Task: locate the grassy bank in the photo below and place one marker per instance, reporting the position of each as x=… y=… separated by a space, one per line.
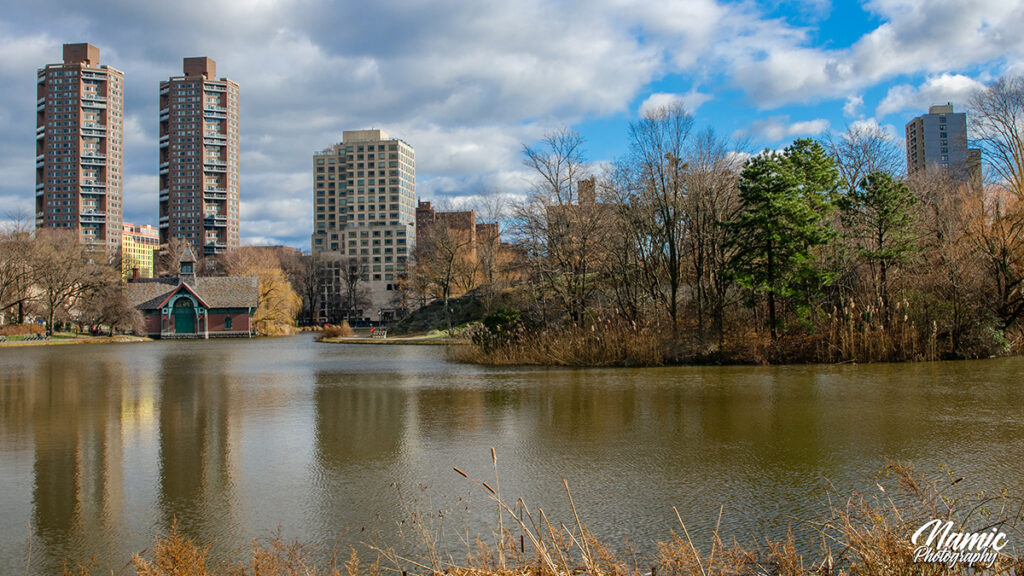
x=64 y=338
x=504 y=338
x=858 y=535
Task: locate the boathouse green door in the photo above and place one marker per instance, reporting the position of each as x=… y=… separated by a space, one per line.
x=184 y=317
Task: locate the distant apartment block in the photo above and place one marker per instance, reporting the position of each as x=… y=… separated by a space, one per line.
x=139 y=243
x=199 y=159
x=938 y=140
x=79 y=154
x=364 y=215
x=462 y=221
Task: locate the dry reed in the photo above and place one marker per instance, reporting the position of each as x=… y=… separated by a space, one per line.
x=860 y=535
x=342 y=330
x=601 y=342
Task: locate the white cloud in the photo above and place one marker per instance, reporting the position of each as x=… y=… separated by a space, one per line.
x=467 y=83
x=853 y=106
x=779 y=128
x=775 y=63
x=945 y=88
x=691 y=101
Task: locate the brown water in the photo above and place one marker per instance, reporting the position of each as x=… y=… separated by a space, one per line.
x=101 y=446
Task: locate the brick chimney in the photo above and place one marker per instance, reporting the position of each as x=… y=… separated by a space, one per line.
x=586 y=190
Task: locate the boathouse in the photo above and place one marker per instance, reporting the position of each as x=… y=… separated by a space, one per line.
x=191 y=307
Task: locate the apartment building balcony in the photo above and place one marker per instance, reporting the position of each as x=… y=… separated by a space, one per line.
x=94 y=187
x=165 y=195
x=165 y=167
x=165 y=89
x=165 y=221
x=215 y=166
x=93 y=217
x=165 y=114
x=41 y=78
x=95 y=132
x=92 y=75
x=211 y=87
x=215 y=221
x=41 y=101
x=40 y=161
x=94 y=104
x=214 y=194
x=93 y=160
x=164 y=140
x=214 y=248
x=40 y=107
x=215 y=113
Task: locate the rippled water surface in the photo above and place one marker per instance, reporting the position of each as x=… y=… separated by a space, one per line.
x=101 y=446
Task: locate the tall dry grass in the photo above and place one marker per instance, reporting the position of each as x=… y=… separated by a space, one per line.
x=600 y=342
x=872 y=333
x=342 y=330
x=859 y=535
x=853 y=332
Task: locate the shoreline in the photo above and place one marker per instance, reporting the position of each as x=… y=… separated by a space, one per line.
x=120 y=339
x=393 y=341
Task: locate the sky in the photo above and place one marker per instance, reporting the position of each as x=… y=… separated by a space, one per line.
x=468 y=82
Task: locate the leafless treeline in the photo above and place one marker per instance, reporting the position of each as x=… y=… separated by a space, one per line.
x=48 y=274
x=909 y=267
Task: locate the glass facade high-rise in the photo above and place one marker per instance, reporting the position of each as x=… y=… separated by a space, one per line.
x=364 y=215
x=199 y=159
x=79 y=147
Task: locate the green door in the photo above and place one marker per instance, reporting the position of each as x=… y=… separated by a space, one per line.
x=184 y=317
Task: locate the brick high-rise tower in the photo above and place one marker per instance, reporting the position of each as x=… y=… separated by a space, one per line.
x=79 y=154
x=199 y=159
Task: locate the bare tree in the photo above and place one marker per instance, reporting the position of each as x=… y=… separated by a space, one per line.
x=861 y=150
x=64 y=273
x=106 y=304
x=439 y=257
x=997 y=115
x=713 y=198
x=17 y=252
x=560 y=224
x=353 y=296
x=995 y=223
x=169 y=257
x=656 y=179
x=948 y=264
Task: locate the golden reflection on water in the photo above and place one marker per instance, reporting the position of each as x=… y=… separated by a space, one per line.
x=101 y=447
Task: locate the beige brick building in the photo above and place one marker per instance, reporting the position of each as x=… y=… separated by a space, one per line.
x=199 y=159
x=364 y=217
x=79 y=147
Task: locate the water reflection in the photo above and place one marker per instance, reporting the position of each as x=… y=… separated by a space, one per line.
x=102 y=447
x=196 y=472
x=78 y=493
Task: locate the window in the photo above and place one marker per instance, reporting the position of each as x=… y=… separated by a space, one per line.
x=227 y=323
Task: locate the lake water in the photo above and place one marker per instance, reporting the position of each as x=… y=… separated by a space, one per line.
x=102 y=446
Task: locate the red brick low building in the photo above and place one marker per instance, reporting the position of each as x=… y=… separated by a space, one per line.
x=191 y=307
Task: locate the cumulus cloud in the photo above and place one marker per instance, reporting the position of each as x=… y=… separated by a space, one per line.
x=779 y=128
x=853 y=106
x=466 y=83
x=944 y=88
x=775 y=61
x=691 y=101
